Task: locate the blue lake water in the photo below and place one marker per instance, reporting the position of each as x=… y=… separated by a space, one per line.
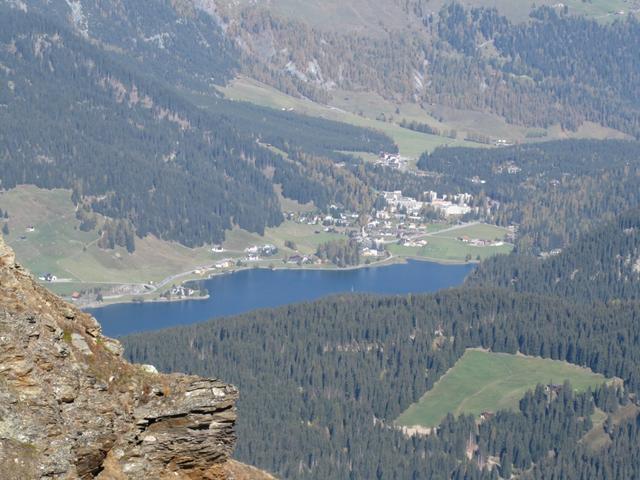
x=258 y=288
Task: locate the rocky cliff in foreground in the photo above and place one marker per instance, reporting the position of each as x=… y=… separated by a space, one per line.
x=71 y=407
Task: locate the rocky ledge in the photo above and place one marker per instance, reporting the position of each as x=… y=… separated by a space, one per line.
x=71 y=407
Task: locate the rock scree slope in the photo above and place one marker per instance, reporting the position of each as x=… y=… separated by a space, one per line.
x=71 y=407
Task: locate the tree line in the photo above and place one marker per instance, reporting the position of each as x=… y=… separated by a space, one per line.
x=339 y=371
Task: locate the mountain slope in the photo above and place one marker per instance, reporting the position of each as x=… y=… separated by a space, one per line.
x=129 y=148
x=547 y=71
x=179 y=41
x=134 y=149
x=550 y=70
x=392 y=14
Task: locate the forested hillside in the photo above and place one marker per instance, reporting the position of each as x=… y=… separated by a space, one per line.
x=553 y=69
x=554 y=191
x=172 y=40
x=603 y=265
x=322 y=382
x=72 y=117
x=133 y=149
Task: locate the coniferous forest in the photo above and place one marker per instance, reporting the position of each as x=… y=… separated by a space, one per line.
x=601 y=266
x=324 y=381
x=556 y=68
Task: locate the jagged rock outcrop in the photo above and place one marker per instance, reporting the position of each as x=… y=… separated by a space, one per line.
x=71 y=407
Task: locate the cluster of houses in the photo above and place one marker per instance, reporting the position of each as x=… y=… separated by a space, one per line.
x=303 y=218
x=451 y=206
x=476 y=242
x=408 y=242
x=302 y=260
x=180 y=291
x=448 y=205
x=329 y=222
x=392 y=160
x=503 y=142
x=256 y=252
x=223 y=264
x=371 y=252
x=397 y=202
x=510 y=167
x=401 y=219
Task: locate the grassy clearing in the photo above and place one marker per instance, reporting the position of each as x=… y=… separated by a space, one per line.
x=153 y=260
x=289 y=205
x=436 y=227
x=448 y=250
x=483 y=381
x=59 y=247
x=65 y=289
x=597 y=438
x=484 y=123
x=304 y=236
x=308 y=237
x=373 y=106
x=56 y=235
x=518 y=10
x=601 y=9
x=362 y=109
x=411 y=144
x=480 y=231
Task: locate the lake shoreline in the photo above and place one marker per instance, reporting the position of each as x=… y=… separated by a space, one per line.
x=386 y=262
x=96 y=305
x=257 y=288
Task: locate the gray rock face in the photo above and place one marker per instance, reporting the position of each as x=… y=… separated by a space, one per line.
x=7 y=257
x=71 y=407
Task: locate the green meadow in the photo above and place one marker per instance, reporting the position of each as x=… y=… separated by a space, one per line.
x=484 y=381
